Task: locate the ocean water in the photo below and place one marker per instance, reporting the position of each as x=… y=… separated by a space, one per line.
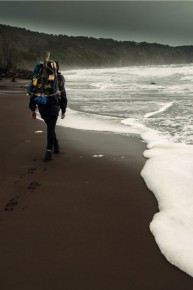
x=155 y=102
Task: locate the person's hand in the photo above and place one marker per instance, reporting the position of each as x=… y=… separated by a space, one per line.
x=34 y=115
x=62 y=115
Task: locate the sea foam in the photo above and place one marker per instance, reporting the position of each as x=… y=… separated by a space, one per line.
x=168 y=174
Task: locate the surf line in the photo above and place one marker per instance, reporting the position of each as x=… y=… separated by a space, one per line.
x=162 y=109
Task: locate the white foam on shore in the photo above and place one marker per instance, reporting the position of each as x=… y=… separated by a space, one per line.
x=92 y=122
x=167 y=173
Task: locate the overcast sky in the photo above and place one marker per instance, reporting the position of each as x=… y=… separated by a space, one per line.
x=167 y=22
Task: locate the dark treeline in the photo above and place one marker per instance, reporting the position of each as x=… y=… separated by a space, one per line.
x=21 y=49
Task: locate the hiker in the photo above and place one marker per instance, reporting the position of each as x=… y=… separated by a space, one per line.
x=47 y=93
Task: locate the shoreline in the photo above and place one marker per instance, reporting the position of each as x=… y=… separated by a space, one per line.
x=79 y=221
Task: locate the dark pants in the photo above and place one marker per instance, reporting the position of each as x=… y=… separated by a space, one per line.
x=50 y=116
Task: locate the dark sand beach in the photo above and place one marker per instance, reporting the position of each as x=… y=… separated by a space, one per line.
x=78 y=222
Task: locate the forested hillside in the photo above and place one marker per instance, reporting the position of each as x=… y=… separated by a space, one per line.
x=21 y=48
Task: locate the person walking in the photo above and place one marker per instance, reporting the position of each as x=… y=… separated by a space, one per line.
x=48 y=95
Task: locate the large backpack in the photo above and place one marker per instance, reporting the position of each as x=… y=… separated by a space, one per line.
x=44 y=86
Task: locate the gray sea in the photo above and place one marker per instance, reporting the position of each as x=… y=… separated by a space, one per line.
x=158 y=97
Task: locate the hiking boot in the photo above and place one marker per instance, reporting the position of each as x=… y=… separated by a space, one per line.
x=48 y=155
x=56 y=147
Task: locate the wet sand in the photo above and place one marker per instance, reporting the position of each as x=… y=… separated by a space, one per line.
x=78 y=222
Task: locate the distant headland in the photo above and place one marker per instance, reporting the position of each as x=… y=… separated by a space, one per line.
x=21 y=49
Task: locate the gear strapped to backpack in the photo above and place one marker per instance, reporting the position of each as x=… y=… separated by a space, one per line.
x=44 y=86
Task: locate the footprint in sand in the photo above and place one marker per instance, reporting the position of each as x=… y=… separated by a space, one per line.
x=11 y=204
x=31 y=170
x=33 y=185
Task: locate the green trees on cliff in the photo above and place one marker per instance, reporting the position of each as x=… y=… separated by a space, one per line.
x=22 y=48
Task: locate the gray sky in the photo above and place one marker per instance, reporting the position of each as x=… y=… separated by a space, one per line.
x=167 y=22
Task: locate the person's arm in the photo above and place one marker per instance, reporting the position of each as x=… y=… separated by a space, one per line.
x=32 y=104
x=32 y=107
x=63 y=98
x=63 y=102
